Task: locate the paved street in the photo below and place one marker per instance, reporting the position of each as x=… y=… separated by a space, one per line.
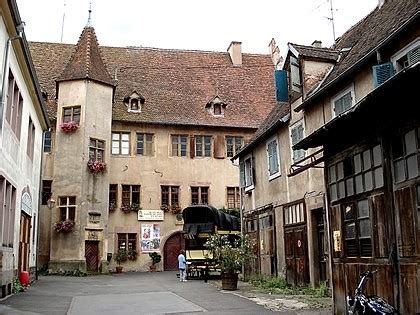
x=138 y=293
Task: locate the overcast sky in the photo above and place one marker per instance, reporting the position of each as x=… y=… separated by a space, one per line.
x=193 y=24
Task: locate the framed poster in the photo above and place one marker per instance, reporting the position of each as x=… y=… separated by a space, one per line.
x=150 y=237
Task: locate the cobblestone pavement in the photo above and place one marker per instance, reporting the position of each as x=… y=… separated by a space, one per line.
x=146 y=293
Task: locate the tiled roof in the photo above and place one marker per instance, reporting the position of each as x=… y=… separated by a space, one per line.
x=86 y=61
x=278 y=115
x=176 y=84
x=317 y=52
x=364 y=37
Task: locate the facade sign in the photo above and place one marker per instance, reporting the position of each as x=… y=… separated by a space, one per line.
x=337 y=241
x=150 y=215
x=150 y=237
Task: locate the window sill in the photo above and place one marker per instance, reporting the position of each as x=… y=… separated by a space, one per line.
x=273 y=176
x=249 y=189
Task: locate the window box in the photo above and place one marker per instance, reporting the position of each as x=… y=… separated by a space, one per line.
x=65 y=226
x=112 y=205
x=175 y=209
x=69 y=126
x=96 y=167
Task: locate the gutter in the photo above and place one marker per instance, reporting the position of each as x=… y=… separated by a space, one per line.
x=358 y=64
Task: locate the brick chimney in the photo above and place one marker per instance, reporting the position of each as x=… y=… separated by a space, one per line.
x=235 y=53
x=317 y=43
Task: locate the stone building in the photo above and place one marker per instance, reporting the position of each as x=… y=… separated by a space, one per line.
x=139 y=134
x=23 y=118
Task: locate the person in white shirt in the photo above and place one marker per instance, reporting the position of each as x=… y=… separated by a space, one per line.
x=182 y=265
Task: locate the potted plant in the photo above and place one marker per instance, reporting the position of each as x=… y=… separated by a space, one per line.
x=96 y=167
x=120 y=256
x=135 y=207
x=131 y=254
x=64 y=226
x=69 y=126
x=112 y=205
x=230 y=255
x=156 y=258
x=125 y=207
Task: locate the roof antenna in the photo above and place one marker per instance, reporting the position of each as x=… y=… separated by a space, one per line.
x=62 y=23
x=332 y=18
x=90 y=12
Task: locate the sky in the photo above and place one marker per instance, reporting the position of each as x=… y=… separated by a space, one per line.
x=208 y=25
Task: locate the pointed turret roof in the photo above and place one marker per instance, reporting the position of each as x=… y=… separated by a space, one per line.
x=86 y=61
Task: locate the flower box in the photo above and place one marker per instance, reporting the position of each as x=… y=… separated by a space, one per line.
x=69 y=126
x=175 y=209
x=96 y=167
x=65 y=226
x=112 y=205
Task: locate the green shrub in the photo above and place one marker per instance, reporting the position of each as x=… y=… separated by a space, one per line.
x=17 y=286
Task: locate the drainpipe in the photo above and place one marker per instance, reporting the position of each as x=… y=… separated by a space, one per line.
x=3 y=93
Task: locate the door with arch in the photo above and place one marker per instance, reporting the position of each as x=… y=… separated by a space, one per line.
x=171 y=250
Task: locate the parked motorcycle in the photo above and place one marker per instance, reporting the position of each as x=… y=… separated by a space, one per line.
x=362 y=304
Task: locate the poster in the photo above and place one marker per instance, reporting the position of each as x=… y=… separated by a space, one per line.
x=150 y=237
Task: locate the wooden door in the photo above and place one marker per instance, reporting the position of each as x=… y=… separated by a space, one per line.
x=92 y=256
x=171 y=250
x=24 y=235
x=296 y=253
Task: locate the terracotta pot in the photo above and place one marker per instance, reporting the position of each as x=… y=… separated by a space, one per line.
x=230 y=281
x=152 y=267
x=118 y=269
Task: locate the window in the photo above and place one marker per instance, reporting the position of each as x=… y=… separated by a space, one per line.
x=295 y=83
x=233 y=145
x=96 y=150
x=297 y=134
x=130 y=195
x=7 y=212
x=47 y=141
x=294 y=214
x=199 y=195
x=357 y=229
x=217 y=107
x=31 y=139
x=144 y=144
x=71 y=114
x=67 y=208
x=246 y=169
x=179 y=145
x=407 y=56
x=94 y=218
x=343 y=101
x=14 y=106
x=127 y=241
x=203 y=146
x=170 y=196
x=134 y=104
x=46 y=191
x=406 y=155
x=113 y=196
x=418 y=206
x=273 y=159
x=356 y=174
x=120 y=143
x=233 y=197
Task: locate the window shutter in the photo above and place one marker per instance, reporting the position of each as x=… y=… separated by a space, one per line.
x=282 y=94
x=253 y=171
x=242 y=173
x=219 y=147
x=192 y=146
x=295 y=74
x=381 y=73
x=413 y=56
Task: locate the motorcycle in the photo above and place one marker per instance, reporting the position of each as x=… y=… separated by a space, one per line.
x=362 y=304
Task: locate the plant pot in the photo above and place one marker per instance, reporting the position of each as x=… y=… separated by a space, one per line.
x=230 y=281
x=118 y=269
x=152 y=268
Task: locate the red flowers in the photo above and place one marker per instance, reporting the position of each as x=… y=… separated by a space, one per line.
x=64 y=226
x=69 y=126
x=96 y=167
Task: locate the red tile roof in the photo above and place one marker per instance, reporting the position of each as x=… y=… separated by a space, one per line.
x=176 y=84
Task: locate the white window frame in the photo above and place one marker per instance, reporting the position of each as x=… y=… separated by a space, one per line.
x=340 y=95
x=296 y=124
x=120 y=142
x=403 y=52
x=248 y=173
x=278 y=172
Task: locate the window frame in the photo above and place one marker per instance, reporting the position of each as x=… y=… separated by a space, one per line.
x=340 y=95
x=48 y=142
x=67 y=207
x=14 y=106
x=277 y=172
x=406 y=155
x=120 y=142
x=233 y=148
x=177 y=146
x=235 y=192
x=131 y=195
x=173 y=195
x=147 y=141
x=30 y=146
x=403 y=52
x=200 y=193
x=291 y=128
x=46 y=192
x=203 y=146
x=127 y=241
x=246 y=170
x=96 y=152
x=72 y=114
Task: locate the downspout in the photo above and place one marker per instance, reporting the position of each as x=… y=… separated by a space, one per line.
x=4 y=79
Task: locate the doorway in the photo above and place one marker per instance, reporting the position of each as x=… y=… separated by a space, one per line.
x=24 y=236
x=92 y=256
x=171 y=250
x=296 y=244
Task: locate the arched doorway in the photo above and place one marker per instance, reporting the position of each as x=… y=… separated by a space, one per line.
x=171 y=251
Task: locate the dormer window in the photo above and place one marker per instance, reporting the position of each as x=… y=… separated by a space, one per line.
x=216 y=107
x=134 y=102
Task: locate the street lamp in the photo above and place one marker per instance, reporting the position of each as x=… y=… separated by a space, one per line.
x=50 y=203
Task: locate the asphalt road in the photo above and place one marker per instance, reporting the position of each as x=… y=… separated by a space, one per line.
x=127 y=293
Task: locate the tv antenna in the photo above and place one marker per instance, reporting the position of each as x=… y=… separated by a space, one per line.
x=62 y=23
x=90 y=14
x=331 y=18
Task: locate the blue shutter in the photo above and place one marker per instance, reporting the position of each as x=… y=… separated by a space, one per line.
x=381 y=73
x=413 y=56
x=282 y=94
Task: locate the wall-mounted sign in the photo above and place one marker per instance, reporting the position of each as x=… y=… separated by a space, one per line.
x=150 y=215
x=150 y=237
x=337 y=241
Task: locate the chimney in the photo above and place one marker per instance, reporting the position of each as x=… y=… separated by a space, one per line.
x=317 y=43
x=274 y=52
x=381 y=3
x=235 y=53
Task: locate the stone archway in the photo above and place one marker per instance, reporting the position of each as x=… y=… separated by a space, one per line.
x=171 y=250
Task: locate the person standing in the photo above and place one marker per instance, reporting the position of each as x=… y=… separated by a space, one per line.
x=182 y=265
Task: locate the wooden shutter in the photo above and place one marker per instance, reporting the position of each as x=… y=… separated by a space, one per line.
x=242 y=173
x=192 y=146
x=405 y=221
x=413 y=56
x=282 y=93
x=219 y=147
x=295 y=74
x=381 y=73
